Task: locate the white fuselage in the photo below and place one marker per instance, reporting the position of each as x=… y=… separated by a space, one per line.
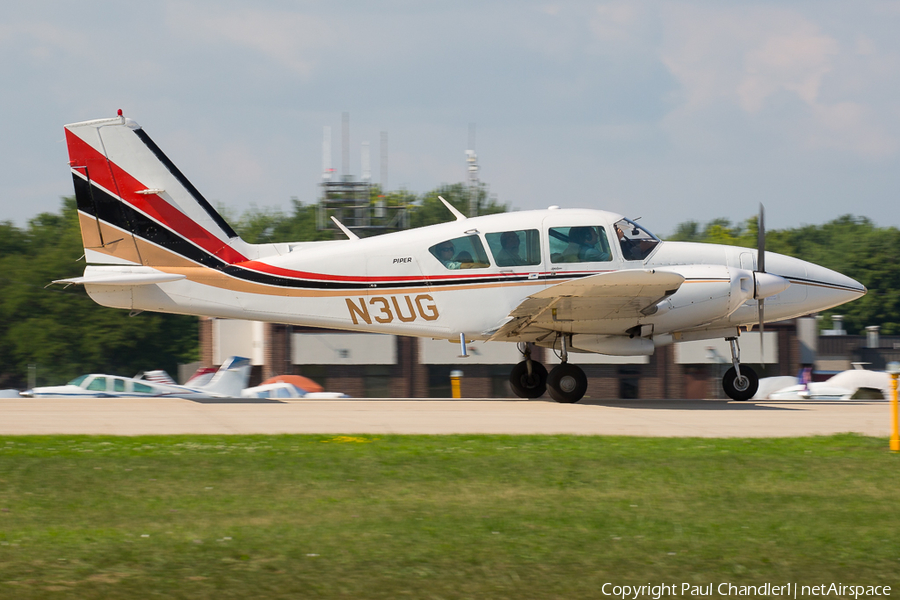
x=393 y=284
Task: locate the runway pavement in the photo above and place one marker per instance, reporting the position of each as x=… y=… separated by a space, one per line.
x=679 y=418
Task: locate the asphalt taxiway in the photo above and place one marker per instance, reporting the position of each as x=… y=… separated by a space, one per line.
x=676 y=418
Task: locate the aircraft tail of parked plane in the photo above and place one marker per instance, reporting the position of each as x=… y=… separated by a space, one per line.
x=572 y=280
x=231 y=378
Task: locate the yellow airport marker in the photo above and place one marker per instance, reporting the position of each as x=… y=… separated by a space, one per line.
x=455 y=376
x=894 y=369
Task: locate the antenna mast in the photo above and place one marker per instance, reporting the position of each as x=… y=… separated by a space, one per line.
x=472 y=162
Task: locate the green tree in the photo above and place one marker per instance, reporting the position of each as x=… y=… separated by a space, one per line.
x=62 y=331
x=430 y=210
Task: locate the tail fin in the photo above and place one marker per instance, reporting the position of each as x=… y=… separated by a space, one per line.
x=134 y=205
x=230 y=379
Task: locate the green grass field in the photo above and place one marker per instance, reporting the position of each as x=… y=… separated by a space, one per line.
x=439 y=516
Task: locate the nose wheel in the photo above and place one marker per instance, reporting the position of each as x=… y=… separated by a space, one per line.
x=741 y=386
x=740 y=382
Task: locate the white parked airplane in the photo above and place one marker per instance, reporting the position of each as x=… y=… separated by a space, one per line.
x=228 y=382
x=574 y=280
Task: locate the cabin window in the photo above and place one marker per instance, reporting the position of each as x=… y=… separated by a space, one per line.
x=636 y=242
x=515 y=248
x=97 y=385
x=141 y=388
x=118 y=385
x=465 y=252
x=579 y=244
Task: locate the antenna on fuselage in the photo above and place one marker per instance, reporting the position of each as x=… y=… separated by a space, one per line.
x=346 y=231
x=459 y=216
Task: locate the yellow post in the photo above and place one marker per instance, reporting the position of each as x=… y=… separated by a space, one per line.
x=455 y=376
x=894 y=369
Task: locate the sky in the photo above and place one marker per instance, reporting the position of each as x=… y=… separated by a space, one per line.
x=670 y=111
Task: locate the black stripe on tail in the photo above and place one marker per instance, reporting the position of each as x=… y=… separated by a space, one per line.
x=198 y=197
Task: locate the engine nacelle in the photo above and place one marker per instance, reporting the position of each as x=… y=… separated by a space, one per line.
x=618 y=345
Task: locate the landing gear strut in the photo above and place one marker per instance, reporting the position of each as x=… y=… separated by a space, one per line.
x=740 y=383
x=528 y=379
x=566 y=383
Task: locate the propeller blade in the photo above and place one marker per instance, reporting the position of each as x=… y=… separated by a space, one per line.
x=762 y=330
x=761 y=240
x=761 y=267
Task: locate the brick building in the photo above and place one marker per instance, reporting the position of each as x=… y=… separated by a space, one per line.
x=375 y=365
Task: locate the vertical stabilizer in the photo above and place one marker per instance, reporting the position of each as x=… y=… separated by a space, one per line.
x=230 y=379
x=136 y=207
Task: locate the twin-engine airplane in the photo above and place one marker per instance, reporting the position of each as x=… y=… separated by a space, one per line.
x=573 y=280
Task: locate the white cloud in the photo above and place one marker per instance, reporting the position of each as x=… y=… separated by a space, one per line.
x=773 y=64
x=795 y=61
x=849 y=126
x=289 y=38
x=617 y=22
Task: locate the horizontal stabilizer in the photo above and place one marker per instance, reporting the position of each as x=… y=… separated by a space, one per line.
x=121 y=276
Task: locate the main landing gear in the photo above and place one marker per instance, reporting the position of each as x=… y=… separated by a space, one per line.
x=566 y=383
x=740 y=383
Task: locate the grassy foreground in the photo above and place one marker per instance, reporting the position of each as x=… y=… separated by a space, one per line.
x=439 y=516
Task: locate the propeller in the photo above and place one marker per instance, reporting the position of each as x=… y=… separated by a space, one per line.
x=764 y=284
x=761 y=268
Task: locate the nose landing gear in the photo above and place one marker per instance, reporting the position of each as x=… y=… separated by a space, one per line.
x=740 y=383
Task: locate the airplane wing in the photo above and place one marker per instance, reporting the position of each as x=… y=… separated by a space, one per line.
x=603 y=303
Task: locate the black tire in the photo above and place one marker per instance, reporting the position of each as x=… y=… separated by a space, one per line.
x=743 y=388
x=525 y=386
x=567 y=383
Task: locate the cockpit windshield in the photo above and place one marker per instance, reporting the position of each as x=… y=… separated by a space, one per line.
x=636 y=242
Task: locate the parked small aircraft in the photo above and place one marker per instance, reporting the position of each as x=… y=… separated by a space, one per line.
x=853 y=384
x=228 y=382
x=285 y=390
x=573 y=280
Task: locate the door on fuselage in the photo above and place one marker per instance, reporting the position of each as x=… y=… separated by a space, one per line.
x=578 y=247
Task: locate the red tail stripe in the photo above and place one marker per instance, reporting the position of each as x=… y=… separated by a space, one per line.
x=102 y=172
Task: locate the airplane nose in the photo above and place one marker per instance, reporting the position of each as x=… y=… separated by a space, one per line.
x=834 y=286
x=813 y=288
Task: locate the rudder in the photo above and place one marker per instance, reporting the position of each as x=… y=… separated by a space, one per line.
x=135 y=206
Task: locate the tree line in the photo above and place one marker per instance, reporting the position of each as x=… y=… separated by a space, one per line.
x=64 y=334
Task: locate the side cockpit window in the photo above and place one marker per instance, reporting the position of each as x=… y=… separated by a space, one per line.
x=465 y=252
x=636 y=242
x=515 y=248
x=579 y=244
